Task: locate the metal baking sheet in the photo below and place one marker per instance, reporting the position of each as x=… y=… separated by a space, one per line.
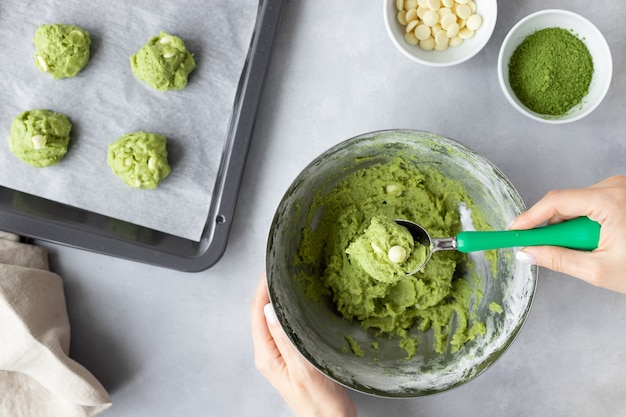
x=36 y=217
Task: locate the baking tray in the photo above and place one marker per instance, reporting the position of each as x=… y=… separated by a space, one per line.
x=35 y=217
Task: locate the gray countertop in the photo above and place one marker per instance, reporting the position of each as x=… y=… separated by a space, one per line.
x=168 y=343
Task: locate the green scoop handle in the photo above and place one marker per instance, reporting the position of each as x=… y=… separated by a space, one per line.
x=580 y=233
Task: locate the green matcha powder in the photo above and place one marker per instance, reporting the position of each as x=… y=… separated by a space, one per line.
x=550 y=71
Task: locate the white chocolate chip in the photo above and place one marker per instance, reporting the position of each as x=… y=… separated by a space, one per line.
x=422 y=32
x=402 y=18
x=169 y=54
x=463 y=11
x=466 y=33
x=411 y=26
x=474 y=22
x=410 y=38
x=428 y=44
x=153 y=163
x=424 y=19
x=397 y=254
x=455 y=41
x=453 y=30
x=165 y=40
x=447 y=21
x=433 y=4
x=431 y=18
x=376 y=248
x=394 y=190
x=42 y=63
x=38 y=141
x=411 y=15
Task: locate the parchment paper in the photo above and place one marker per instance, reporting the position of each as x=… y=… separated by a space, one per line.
x=106 y=101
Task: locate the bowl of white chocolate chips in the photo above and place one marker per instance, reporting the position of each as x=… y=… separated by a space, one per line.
x=440 y=32
x=337 y=265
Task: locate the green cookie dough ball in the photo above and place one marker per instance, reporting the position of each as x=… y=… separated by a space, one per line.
x=139 y=159
x=40 y=137
x=386 y=251
x=61 y=50
x=163 y=63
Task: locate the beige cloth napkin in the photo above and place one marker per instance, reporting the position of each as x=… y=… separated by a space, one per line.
x=37 y=377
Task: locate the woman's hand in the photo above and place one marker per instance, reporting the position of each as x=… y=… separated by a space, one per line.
x=605 y=203
x=304 y=388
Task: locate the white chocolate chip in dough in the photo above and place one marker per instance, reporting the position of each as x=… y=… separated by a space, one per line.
x=42 y=63
x=376 y=248
x=38 y=141
x=397 y=254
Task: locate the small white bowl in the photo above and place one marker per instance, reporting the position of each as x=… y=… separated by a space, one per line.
x=487 y=9
x=585 y=31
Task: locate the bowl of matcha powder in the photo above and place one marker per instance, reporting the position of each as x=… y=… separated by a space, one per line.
x=555 y=66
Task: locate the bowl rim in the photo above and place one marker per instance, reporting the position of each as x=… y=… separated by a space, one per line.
x=403 y=48
x=504 y=84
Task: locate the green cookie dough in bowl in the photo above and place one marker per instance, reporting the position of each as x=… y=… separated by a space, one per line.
x=340 y=292
x=139 y=159
x=164 y=63
x=61 y=50
x=40 y=137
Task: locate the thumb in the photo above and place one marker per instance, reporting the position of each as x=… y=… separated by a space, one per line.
x=283 y=344
x=567 y=261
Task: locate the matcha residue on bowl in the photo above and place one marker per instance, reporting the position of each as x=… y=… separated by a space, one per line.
x=345 y=252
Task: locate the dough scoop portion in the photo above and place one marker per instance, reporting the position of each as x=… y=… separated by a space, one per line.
x=387 y=251
x=61 y=50
x=139 y=159
x=40 y=137
x=164 y=63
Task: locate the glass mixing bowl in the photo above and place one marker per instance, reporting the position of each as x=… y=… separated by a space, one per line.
x=319 y=332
